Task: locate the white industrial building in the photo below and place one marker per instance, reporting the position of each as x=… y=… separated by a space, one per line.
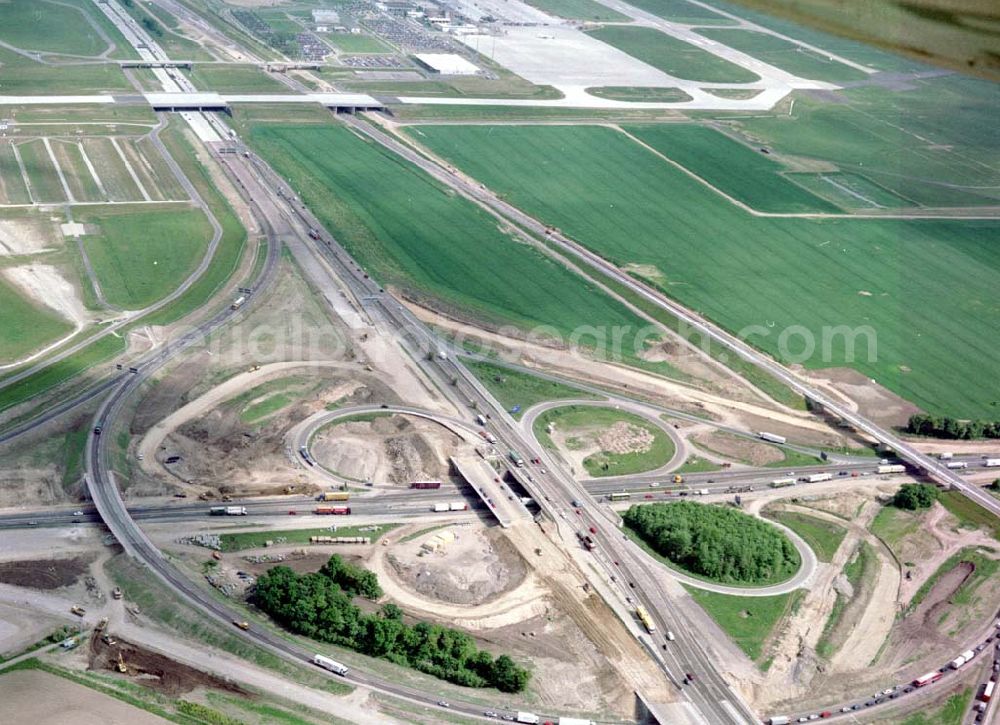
x=446 y=64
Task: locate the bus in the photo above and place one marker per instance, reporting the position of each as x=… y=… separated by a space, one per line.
x=646 y=620
x=620 y=496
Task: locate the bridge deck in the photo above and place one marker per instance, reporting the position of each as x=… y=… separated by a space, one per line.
x=498 y=498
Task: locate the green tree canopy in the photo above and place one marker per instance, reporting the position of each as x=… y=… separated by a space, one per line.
x=915 y=496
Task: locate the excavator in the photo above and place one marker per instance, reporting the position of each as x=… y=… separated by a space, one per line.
x=121 y=664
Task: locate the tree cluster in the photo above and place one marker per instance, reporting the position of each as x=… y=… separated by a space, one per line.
x=915 y=496
x=938 y=426
x=319 y=605
x=716 y=542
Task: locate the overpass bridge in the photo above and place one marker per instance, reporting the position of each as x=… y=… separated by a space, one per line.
x=498 y=497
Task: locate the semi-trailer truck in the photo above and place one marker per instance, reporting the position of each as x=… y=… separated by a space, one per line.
x=237 y=303
x=772 y=437
x=516 y=459
x=423 y=485
x=335 y=496
x=529 y=718
x=779 y=720
x=817 y=477
x=954 y=465
x=893 y=468
x=782 y=482
x=452 y=506
x=228 y=511
x=924 y=680
x=962 y=659
x=327 y=664
x=332 y=511
x=988 y=691
x=991 y=462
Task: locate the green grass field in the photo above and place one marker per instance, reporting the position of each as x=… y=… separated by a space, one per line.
x=24 y=77
x=695 y=464
x=911 y=143
x=79 y=179
x=358 y=43
x=749 y=621
x=234 y=79
x=141 y=256
x=574 y=418
x=971 y=514
x=25 y=326
x=634 y=94
x=12 y=188
x=112 y=172
x=256 y=539
x=741 y=172
x=850 y=191
x=578 y=10
x=681 y=11
x=785 y=55
x=42 y=175
x=413 y=234
x=765 y=278
x=823 y=536
x=514 y=388
x=892 y=525
x=672 y=56
x=46 y=26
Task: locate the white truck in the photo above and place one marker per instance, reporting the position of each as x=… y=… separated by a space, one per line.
x=782 y=482
x=817 y=477
x=327 y=664
x=991 y=462
x=955 y=465
x=892 y=468
x=574 y=721
x=481 y=419
x=228 y=511
x=237 y=303
x=439 y=507
x=772 y=437
x=946 y=456
x=962 y=659
x=452 y=506
x=779 y=720
x=528 y=717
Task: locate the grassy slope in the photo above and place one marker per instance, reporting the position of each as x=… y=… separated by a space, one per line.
x=673 y=56
x=24 y=326
x=681 y=11
x=743 y=173
x=140 y=257
x=512 y=387
x=822 y=536
x=25 y=77
x=413 y=234
x=575 y=417
x=234 y=79
x=608 y=192
x=749 y=621
x=785 y=55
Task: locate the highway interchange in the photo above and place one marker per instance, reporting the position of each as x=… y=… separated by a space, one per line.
x=283 y=218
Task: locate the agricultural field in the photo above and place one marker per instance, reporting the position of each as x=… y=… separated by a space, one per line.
x=140 y=257
x=604 y=441
x=40 y=172
x=428 y=242
x=672 y=56
x=712 y=156
x=784 y=274
x=909 y=142
x=785 y=55
x=578 y=10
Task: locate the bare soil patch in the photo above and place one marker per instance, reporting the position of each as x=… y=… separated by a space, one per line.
x=151 y=669
x=44 y=573
x=475 y=568
x=739 y=449
x=872 y=400
x=63 y=702
x=394 y=448
x=46 y=285
x=25 y=236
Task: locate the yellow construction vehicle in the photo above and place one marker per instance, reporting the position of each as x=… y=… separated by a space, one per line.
x=121 y=664
x=102 y=624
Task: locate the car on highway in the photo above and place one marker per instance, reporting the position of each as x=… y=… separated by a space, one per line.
x=489 y=713
x=32 y=523
x=97 y=430
x=293 y=512
x=78 y=513
x=443 y=703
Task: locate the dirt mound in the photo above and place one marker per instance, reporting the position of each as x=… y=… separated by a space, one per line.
x=390 y=448
x=474 y=568
x=151 y=669
x=623 y=437
x=44 y=573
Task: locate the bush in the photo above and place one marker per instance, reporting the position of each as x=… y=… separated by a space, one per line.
x=318 y=605
x=720 y=543
x=915 y=496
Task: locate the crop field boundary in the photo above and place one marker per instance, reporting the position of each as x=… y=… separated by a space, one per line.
x=791 y=215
